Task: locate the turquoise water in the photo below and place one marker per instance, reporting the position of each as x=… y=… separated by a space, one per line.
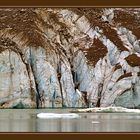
x=25 y=120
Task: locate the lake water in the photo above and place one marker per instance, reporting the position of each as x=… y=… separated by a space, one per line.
x=25 y=120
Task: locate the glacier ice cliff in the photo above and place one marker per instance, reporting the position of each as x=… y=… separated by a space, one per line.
x=69 y=57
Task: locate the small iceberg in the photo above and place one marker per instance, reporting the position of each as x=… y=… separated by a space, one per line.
x=56 y=115
x=95 y=122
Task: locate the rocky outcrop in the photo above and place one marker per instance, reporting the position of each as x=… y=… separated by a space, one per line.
x=69 y=57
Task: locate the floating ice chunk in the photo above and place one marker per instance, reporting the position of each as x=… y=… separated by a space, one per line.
x=70 y=115
x=95 y=122
x=108 y=110
x=56 y=115
x=48 y=115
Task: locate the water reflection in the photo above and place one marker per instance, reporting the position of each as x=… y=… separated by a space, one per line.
x=26 y=121
x=56 y=125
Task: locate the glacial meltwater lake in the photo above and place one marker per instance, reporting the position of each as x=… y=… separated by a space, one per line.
x=25 y=120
